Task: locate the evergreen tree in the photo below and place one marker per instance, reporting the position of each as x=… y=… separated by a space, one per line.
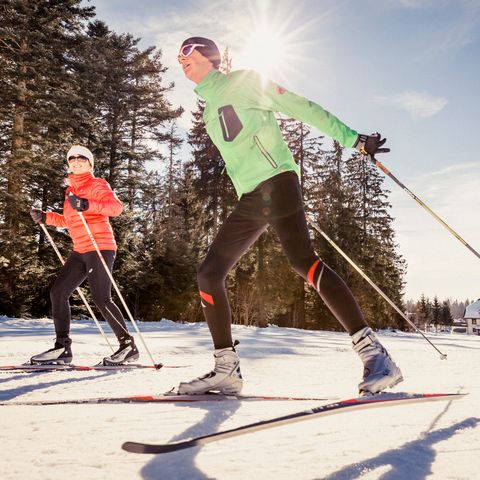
x=64 y=82
x=173 y=170
x=129 y=109
x=436 y=311
x=36 y=39
x=446 y=318
x=375 y=247
x=328 y=204
x=129 y=118
x=305 y=150
x=424 y=309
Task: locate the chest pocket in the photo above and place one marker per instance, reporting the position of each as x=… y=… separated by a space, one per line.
x=230 y=123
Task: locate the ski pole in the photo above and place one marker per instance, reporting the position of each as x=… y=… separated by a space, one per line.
x=114 y=283
x=79 y=290
x=429 y=210
x=364 y=275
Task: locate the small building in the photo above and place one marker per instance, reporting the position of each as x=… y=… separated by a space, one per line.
x=472 y=318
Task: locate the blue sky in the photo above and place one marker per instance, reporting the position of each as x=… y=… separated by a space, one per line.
x=407 y=68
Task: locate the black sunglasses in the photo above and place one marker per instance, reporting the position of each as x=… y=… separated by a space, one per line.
x=78 y=157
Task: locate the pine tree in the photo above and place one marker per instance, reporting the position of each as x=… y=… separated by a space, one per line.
x=173 y=170
x=375 y=247
x=436 y=312
x=424 y=309
x=306 y=150
x=36 y=39
x=66 y=82
x=446 y=318
x=328 y=203
x=129 y=117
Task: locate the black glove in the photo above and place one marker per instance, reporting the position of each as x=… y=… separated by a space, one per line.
x=371 y=144
x=38 y=216
x=77 y=203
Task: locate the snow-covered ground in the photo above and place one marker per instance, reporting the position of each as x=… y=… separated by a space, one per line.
x=439 y=440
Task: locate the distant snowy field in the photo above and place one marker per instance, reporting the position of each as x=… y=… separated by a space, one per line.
x=439 y=440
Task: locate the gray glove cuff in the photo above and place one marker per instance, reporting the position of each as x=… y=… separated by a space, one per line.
x=360 y=144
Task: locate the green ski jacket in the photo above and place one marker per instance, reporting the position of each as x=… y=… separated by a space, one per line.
x=239 y=118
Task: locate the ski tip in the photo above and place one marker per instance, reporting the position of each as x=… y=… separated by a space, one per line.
x=134 y=447
x=388 y=396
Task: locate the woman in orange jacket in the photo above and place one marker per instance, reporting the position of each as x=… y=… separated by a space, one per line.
x=94 y=197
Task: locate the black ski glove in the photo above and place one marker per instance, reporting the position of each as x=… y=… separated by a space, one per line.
x=371 y=144
x=38 y=216
x=77 y=203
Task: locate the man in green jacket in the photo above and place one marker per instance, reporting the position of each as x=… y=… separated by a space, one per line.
x=239 y=118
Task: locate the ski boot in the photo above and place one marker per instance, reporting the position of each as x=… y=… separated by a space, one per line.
x=61 y=353
x=127 y=352
x=379 y=370
x=225 y=378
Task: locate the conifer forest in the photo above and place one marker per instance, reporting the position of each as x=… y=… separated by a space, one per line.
x=67 y=78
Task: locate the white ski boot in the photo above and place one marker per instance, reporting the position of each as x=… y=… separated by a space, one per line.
x=379 y=370
x=61 y=353
x=127 y=352
x=224 y=378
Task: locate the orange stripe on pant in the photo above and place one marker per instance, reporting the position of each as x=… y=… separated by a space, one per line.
x=311 y=272
x=205 y=296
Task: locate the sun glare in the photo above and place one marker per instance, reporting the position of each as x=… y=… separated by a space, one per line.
x=277 y=41
x=273 y=41
x=266 y=51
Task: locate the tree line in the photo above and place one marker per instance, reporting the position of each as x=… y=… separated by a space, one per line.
x=66 y=77
x=426 y=311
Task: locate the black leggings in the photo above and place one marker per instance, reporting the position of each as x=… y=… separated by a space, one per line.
x=276 y=202
x=77 y=268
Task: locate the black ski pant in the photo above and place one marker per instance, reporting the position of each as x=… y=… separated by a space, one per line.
x=77 y=268
x=276 y=202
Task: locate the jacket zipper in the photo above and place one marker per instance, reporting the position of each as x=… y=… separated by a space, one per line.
x=264 y=152
x=224 y=124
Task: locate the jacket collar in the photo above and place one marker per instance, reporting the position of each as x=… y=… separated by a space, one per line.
x=205 y=88
x=79 y=180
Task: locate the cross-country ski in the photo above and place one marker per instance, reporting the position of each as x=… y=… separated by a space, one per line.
x=381 y=400
x=27 y=367
x=165 y=398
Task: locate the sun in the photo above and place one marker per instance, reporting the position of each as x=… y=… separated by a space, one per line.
x=273 y=41
x=266 y=51
x=279 y=42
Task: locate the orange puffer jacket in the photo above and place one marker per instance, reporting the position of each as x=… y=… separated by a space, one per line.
x=102 y=203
